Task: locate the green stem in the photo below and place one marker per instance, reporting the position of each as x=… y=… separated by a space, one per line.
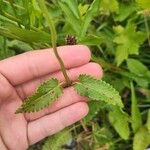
x=147 y=29
x=106 y=65
x=62 y=66
x=15 y=5
x=14 y=10
x=26 y=6
x=5 y=47
x=50 y=21
x=14 y=20
x=83 y=125
x=10 y=17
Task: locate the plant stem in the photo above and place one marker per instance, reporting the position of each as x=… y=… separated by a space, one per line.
x=10 y=17
x=5 y=47
x=15 y=5
x=14 y=10
x=62 y=66
x=84 y=126
x=14 y=20
x=147 y=29
x=50 y=21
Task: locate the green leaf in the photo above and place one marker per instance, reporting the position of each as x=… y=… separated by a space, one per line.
x=89 y=17
x=141 y=73
x=94 y=108
x=125 y=11
x=101 y=136
x=128 y=41
x=50 y=20
x=55 y=142
x=24 y=35
x=120 y=121
x=141 y=81
x=145 y=4
x=19 y=45
x=148 y=121
x=71 y=18
x=1 y=5
x=5 y=51
x=98 y=90
x=136 y=67
x=141 y=139
x=83 y=9
x=91 y=40
x=135 y=113
x=108 y=6
x=45 y=95
x=34 y=12
x=73 y=5
x=6 y=20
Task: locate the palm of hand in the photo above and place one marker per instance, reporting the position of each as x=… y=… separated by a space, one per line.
x=13 y=127
x=19 y=78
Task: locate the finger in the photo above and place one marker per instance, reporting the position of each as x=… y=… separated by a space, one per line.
x=55 y=122
x=6 y=90
x=68 y=98
x=11 y=124
x=29 y=88
x=30 y=65
x=2 y=146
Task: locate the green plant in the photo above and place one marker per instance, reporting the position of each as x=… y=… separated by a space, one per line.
x=49 y=91
x=118 y=34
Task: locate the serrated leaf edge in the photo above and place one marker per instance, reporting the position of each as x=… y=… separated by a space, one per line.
x=95 y=80
x=21 y=109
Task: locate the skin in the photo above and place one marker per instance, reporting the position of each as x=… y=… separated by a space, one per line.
x=21 y=75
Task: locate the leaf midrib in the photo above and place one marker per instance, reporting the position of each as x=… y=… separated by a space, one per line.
x=41 y=97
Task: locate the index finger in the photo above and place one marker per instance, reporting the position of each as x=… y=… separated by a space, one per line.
x=30 y=65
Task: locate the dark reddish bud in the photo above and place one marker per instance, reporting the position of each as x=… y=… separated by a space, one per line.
x=70 y=40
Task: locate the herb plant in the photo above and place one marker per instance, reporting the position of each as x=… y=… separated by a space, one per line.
x=49 y=91
x=118 y=33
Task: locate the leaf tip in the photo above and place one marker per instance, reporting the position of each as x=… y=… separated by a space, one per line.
x=19 y=110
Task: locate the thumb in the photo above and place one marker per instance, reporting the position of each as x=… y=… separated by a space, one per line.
x=6 y=89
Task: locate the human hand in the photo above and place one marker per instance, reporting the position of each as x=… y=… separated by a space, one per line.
x=21 y=75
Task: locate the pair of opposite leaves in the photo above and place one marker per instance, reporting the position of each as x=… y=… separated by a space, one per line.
x=87 y=86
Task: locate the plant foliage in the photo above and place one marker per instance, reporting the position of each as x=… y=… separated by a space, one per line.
x=98 y=90
x=128 y=40
x=141 y=139
x=118 y=34
x=55 y=142
x=121 y=124
x=45 y=95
